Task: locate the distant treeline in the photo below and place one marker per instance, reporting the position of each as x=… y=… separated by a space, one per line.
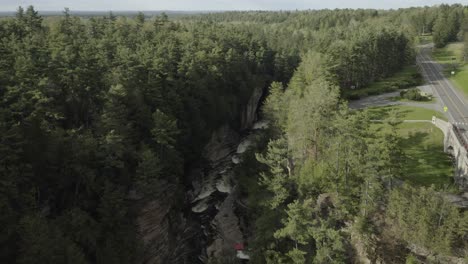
x=88 y=14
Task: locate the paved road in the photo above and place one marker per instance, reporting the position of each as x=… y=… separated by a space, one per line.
x=443 y=88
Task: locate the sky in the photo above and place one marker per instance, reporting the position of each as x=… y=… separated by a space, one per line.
x=207 y=5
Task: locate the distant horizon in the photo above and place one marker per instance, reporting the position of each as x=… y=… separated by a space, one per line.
x=200 y=11
x=213 y=5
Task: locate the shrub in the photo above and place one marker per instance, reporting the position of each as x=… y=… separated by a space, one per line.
x=413 y=94
x=411 y=259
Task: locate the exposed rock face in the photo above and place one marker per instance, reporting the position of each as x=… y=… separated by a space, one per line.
x=222 y=143
x=210 y=185
x=165 y=233
x=156 y=240
x=229 y=233
x=249 y=115
x=210 y=228
x=215 y=197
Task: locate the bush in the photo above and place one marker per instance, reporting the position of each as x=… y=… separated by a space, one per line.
x=413 y=94
x=357 y=94
x=411 y=259
x=353 y=97
x=416 y=76
x=405 y=84
x=375 y=92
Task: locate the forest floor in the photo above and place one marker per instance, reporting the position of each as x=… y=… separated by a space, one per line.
x=425 y=161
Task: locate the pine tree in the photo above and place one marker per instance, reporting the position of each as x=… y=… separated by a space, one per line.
x=42 y=242
x=464 y=31
x=164 y=129
x=298 y=224
x=148 y=172
x=422 y=216
x=140 y=18
x=330 y=245
x=277 y=179
x=275 y=105
x=443 y=30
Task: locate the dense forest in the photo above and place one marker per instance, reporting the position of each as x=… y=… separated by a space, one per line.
x=93 y=109
x=96 y=110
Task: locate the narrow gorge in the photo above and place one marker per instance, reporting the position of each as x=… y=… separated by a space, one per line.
x=207 y=224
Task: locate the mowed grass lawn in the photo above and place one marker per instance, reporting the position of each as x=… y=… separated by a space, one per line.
x=453 y=50
x=404 y=112
x=445 y=56
x=425 y=161
x=461 y=78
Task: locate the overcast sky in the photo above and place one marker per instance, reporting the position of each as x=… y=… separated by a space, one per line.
x=141 y=5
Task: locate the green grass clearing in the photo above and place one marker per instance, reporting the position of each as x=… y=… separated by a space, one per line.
x=408 y=77
x=445 y=57
x=404 y=112
x=461 y=78
x=446 y=54
x=425 y=161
